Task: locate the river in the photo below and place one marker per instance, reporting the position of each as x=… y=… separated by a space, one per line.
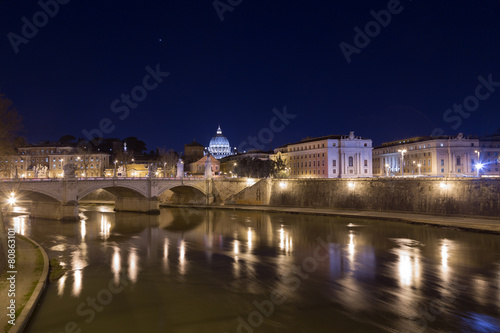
x=209 y=270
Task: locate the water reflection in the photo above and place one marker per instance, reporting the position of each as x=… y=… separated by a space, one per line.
x=116 y=264
x=182 y=257
x=20 y=224
x=133 y=265
x=285 y=241
x=165 y=254
x=373 y=275
x=105 y=227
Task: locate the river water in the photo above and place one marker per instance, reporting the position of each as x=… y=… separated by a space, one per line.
x=202 y=270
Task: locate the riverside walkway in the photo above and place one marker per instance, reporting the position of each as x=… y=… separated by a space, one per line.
x=32 y=267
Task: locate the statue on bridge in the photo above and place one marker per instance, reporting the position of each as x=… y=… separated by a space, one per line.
x=40 y=171
x=180 y=169
x=152 y=171
x=121 y=171
x=69 y=170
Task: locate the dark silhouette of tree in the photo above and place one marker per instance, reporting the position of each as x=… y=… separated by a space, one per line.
x=10 y=124
x=254 y=168
x=67 y=140
x=135 y=144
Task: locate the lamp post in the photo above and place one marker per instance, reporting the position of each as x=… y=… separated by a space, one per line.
x=402 y=151
x=164 y=169
x=419 y=165
x=387 y=169
x=114 y=173
x=478 y=165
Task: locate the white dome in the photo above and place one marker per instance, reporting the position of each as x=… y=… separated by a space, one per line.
x=219 y=145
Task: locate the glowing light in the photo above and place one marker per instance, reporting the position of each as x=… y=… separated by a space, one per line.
x=351 y=185
x=285 y=241
x=443 y=185
x=249 y=235
x=77 y=282
x=250 y=182
x=283 y=185
x=444 y=255
x=479 y=166
x=105 y=227
x=60 y=285
x=351 y=245
x=83 y=229
x=182 y=257
x=12 y=199
x=236 y=247
x=405 y=270
x=116 y=265
x=19 y=224
x=133 y=269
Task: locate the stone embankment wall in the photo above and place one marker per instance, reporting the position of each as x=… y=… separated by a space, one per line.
x=441 y=196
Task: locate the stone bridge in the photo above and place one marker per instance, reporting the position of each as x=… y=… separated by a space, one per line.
x=59 y=198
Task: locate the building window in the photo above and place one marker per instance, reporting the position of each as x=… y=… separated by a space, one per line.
x=366 y=145
x=351 y=161
x=334 y=163
x=366 y=171
x=334 y=170
x=442 y=170
x=458 y=161
x=442 y=162
x=366 y=162
x=350 y=171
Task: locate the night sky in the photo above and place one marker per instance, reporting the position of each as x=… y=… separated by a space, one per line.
x=71 y=74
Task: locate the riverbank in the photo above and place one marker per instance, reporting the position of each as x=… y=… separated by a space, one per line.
x=476 y=224
x=32 y=267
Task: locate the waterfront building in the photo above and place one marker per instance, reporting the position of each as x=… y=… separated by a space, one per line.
x=198 y=168
x=193 y=152
x=438 y=156
x=219 y=146
x=41 y=161
x=331 y=156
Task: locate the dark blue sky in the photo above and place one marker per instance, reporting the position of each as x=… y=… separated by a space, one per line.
x=263 y=55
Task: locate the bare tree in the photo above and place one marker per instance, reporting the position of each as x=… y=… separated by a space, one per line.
x=125 y=157
x=10 y=124
x=167 y=159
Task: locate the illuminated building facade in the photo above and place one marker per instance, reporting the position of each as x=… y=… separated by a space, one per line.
x=441 y=156
x=332 y=156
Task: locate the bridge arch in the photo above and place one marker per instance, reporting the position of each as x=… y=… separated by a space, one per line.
x=182 y=194
x=123 y=190
x=34 y=195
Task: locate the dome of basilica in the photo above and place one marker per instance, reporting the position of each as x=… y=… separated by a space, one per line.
x=219 y=145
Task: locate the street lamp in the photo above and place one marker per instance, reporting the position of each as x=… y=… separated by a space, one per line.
x=164 y=169
x=419 y=165
x=478 y=162
x=387 y=169
x=115 y=169
x=402 y=151
x=479 y=166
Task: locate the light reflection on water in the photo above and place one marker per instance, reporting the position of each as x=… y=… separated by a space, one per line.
x=200 y=266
